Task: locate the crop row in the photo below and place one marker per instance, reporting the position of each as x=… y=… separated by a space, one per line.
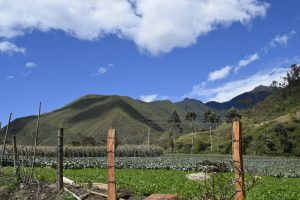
x=89 y=151
x=270 y=166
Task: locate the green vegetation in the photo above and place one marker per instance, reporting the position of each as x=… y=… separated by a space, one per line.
x=271 y=127
x=145 y=182
x=270 y=166
x=90 y=151
x=191 y=116
x=232 y=115
x=8 y=184
x=87 y=120
x=275 y=189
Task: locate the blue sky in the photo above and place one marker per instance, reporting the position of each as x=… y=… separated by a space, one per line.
x=55 y=52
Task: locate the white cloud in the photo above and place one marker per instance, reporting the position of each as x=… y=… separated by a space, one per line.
x=153 y=97
x=246 y=61
x=282 y=39
x=231 y=89
x=101 y=70
x=154 y=25
x=220 y=73
x=10 y=48
x=225 y=71
x=164 y=98
x=30 y=65
x=9 y=77
x=149 y=98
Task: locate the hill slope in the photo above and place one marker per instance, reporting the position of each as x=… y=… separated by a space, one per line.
x=280 y=111
x=197 y=106
x=92 y=115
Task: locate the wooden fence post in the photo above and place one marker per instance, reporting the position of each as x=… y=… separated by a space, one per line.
x=4 y=142
x=16 y=162
x=36 y=138
x=60 y=159
x=238 y=160
x=111 y=139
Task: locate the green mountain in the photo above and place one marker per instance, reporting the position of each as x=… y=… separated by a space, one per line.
x=92 y=115
x=195 y=105
x=243 y=101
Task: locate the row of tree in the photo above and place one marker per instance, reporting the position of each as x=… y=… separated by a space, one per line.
x=210 y=118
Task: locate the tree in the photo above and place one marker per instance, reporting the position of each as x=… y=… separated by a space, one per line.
x=191 y=116
x=293 y=76
x=282 y=134
x=232 y=115
x=210 y=118
x=175 y=123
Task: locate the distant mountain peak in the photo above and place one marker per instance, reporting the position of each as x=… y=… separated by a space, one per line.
x=244 y=100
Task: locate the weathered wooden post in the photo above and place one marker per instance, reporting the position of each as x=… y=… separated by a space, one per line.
x=4 y=141
x=60 y=159
x=16 y=162
x=36 y=138
x=238 y=160
x=111 y=140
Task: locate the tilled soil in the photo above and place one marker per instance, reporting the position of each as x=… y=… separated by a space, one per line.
x=47 y=191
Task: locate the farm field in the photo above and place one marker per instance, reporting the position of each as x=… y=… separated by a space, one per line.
x=279 y=177
x=144 y=182
x=287 y=167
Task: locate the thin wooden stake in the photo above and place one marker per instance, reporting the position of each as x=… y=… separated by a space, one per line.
x=60 y=159
x=238 y=160
x=111 y=139
x=36 y=138
x=16 y=161
x=4 y=142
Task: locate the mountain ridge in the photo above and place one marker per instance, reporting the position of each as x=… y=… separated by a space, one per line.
x=91 y=115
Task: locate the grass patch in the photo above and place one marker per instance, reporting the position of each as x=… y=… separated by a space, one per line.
x=8 y=184
x=146 y=182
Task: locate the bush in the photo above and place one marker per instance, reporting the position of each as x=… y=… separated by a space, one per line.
x=201 y=146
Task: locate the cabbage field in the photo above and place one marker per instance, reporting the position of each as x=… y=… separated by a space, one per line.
x=270 y=166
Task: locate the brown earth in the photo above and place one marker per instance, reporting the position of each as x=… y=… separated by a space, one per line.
x=11 y=190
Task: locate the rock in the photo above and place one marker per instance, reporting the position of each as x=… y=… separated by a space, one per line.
x=124 y=194
x=22 y=185
x=201 y=176
x=162 y=197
